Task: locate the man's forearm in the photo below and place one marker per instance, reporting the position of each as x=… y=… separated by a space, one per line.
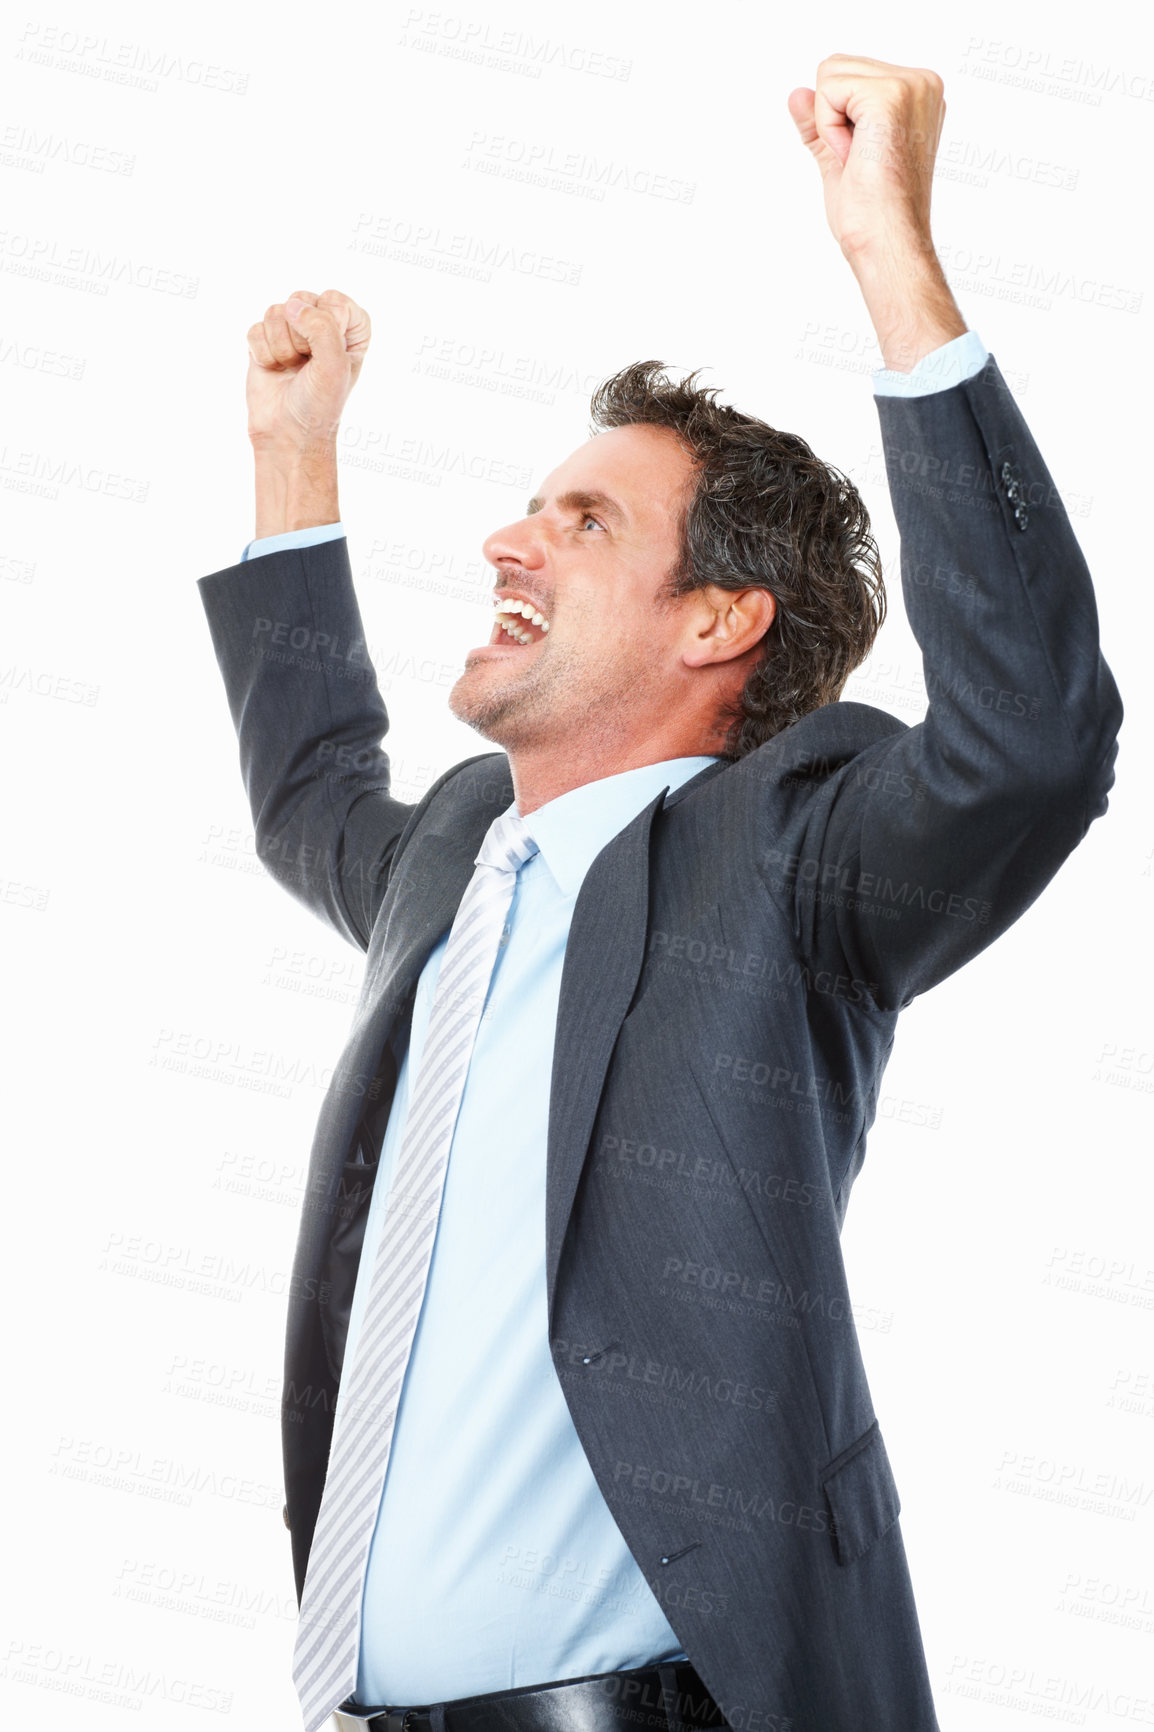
x=295 y=489
x=873 y=130
x=909 y=303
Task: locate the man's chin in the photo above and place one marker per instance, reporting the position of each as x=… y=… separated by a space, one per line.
x=483 y=706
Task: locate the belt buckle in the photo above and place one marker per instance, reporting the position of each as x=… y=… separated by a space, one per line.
x=397 y=1720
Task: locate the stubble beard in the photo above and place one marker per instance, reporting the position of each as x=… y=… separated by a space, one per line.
x=573 y=701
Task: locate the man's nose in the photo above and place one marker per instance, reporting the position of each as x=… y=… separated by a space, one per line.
x=518 y=543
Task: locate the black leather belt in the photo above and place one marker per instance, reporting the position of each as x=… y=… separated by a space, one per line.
x=647 y=1699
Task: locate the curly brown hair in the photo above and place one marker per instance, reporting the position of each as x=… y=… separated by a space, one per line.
x=764 y=513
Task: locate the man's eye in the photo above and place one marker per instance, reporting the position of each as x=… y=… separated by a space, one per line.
x=586 y=520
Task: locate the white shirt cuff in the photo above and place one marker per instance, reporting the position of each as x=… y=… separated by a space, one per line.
x=293 y=538
x=948 y=365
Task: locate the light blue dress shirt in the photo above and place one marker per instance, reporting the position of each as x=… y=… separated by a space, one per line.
x=956 y=360
x=495 y=1562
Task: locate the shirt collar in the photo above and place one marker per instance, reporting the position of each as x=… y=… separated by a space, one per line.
x=572 y=829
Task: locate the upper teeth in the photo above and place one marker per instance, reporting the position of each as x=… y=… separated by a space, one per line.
x=525 y=609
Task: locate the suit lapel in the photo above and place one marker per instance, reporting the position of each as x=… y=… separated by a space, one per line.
x=434 y=873
x=603 y=957
x=425 y=900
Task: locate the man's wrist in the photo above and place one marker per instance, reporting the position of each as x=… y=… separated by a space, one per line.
x=960 y=359
x=293 y=539
x=296 y=488
x=909 y=301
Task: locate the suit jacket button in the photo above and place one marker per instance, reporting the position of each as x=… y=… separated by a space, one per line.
x=1021 y=516
x=1007 y=473
x=284 y=1516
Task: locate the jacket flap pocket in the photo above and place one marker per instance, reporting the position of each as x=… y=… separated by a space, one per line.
x=862 y=1495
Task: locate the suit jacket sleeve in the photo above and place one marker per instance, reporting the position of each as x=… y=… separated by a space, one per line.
x=309 y=717
x=922 y=848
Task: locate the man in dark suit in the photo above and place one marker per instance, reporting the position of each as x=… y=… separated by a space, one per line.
x=635 y=1474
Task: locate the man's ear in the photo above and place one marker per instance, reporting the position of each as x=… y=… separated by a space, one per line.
x=723 y=624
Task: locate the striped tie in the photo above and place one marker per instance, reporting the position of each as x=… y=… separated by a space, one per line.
x=328 y=1636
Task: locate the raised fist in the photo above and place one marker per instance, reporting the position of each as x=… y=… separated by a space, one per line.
x=873 y=130
x=305 y=357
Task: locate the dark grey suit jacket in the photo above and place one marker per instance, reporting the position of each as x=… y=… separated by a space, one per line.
x=736 y=963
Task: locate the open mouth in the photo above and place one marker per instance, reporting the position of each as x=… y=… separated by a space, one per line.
x=517 y=621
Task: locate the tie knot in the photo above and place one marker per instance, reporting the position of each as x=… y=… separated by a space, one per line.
x=507 y=843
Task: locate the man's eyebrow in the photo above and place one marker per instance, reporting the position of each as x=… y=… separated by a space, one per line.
x=579 y=500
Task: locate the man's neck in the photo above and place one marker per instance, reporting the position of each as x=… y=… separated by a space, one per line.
x=537 y=779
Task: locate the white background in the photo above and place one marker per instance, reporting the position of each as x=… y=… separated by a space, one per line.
x=999 y=1237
